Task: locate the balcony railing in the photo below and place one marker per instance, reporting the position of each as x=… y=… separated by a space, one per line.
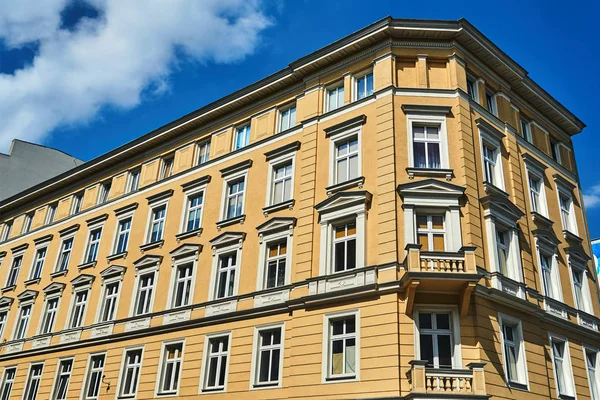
x=468 y=382
x=462 y=261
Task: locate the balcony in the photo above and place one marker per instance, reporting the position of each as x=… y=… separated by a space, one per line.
x=455 y=383
x=439 y=272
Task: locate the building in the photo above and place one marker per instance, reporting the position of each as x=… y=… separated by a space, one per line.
x=596 y=254
x=396 y=215
x=28 y=164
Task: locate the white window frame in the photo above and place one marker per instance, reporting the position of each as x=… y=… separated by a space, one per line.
x=264 y=241
x=533 y=173
x=281 y=117
x=231 y=179
x=438 y=120
x=3 y=320
x=526 y=129
x=334 y=87
x=139 y=273
x=256 y=353
x=273 y=165
x=198 y=160
x=167 y=163
x=45 y=313
x=551 y=252
x=522 y=381
x=356 y=78
x=121 y=380
x=89 y=370
x=115 y=280
x=189 y=194
x=28 y=303
x=430 y=231
x=6 y=381
x=28 y=380
x=189 y=260
x=594 y=395
x=50 y=214
x=16 y=256
x=454 y=328
x=36 y=260
x=214 y=279
x=206 y=358
x=6 y=228
x=326 y=343
x=237 y=130
x=569 y=390
x=58 y=375
x=555 y=150
x=121 y=219
x=493 y=104
x=572 y=221
x=133 y=180
x=76 y=203
x=89 y=242
x=162 y=366
x=586 y=296
x=495 y=222
x=475 y=83
x=64 y=239
x=103 y=192
x=150 y=223
x=74 y=304
x=489 y=141
x=27 y=221
x=340 y=138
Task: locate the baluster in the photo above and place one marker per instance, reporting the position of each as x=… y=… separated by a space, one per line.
x=468 y=385
x=457 y=384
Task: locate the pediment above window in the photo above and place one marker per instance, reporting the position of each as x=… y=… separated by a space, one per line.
x=27 y=295
x=344 y=200
x=430 y=192
x=546 y=239
x=186 y=250
x=497 y=204
x=113 y=270
x=489 y=129
x=82 y=280
x=227 y=239
x=276 y=224
x=6 y=302
x=149 y=260
x=573 y=239
x=54 y=287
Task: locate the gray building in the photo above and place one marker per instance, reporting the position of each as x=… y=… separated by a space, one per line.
x=28 y=164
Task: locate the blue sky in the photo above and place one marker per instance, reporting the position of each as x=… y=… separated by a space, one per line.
x=558 y=45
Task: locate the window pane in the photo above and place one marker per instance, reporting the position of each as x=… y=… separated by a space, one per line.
x=445 y=351
x=442 y=321
x=423 y=241
x=425 y=321
x=434 y=155
x=426 y=349
x=419 y=155
x=438 y=243
x=350 y=355
x=351 y=254
x=337 y=357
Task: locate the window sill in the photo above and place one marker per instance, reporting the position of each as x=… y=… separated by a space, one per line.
x=266 y=385
x=116 y=256
x=188 y=234
x=289 y=204
x=152 y=245
x=213 y=390
x=340 y=379
x=572 y=238
x=32 y=281
x=518 y=386
x=87 y=265
x=8 y=288
x=352 y=183
x=231 y=221
x=58 y=273
x=430 y=172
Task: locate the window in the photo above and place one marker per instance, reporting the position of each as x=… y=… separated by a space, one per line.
x=22 y=322
x=216 y=362
x=38 y=263
x=281 y=182
x=346 y=160
x=133 y=180
x=170 y=370
x=591 y=362
x=33 y=382
x=364 y=85
x=287 y=118
x=203 y=152
x=183 y=285
x=27 y=223
x=93 y=379
x=342 y=353
x=515 y=365
x=76 y=203
x=123 y=231
x=502 y=246
x=581 y=288
x=489 y=163
x=344 y=247
x=235 y=198
x=166 y=168
x=431 y=232
x=526 y=130
x=78 y=309
x=93 y=245
x=562 y=366
x=50 y=214
x=143 y=302
x=535 y=187
x=269 y=356
x=226 y=275
x=555 y=150
x=6 y=231
x=13 y=274
x=490 y=102
x=65 y=255
x=157 y=223
x=242 y=137
x=566 y=204
x=426 y=147
x=194 y=211
x=276 y=259
x=547 y=276
x=335 y=97
x=104 y=192
x=109 y=304
x=49 y=316
x=435 y=339
x=63 y=376
x=7 y=383
x=3 y=318
x=130 y=373
x=472 y=88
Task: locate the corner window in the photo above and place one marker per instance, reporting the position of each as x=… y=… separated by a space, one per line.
x=13 y=273
x=80 y=299
x=130 y=373
x=215 y=365
x=8 y=381
x=242 y=137
x=431 y=232
x=426 y=147
x=268 y=358
x=49 y=314
x=170 y=368
x=363 y=85
x=22 y=322
x=91 y=253
x=133 y=180
x=436 y=342
x=342 y=347
x=109 y=301
x=50 y=214
x=234 y=204
x=93 y=379
x=513 y=347
x=526 y=130
x=591 y=364
x=166 y=168
x=27 y=220
x=123 y=232
x=33 y=381
x=144 y=295
x=202 y=152
x=490 y=102
x=157 y=223
x=193 y=212
x=104 y=192
x=65 y=255
x=76 y=203
x=561 y=361
x=334 y=97
x=63 y=377
x=287 y=118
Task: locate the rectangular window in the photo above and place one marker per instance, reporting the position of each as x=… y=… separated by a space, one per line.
x=490 y=101
x=27 y=223
x=76 y=203
x=226 y=275
x=78 y=310
x=344 y=247
x=565 y=211
x=133 y=180
x=281 y=183
x=143 y=302
x=489 y=164
x=216 y=363
x=93 y=245
x=13 y=274
x=579 y=282
x=555 y=150
x=547 y=266
x=194 y=211
x=277 y=253
x=183 y=285
x=526 y=130
x=23 y=322
x=242 y=137
x=65 y=367
x=502 y=246
x=65 y=255
x=203 y=152
x=512 y=352
x=426 y=147
x=472 y=88
x=335 y=97
x=33 y=382
x=431 y=232
x=435 y=339
x=38 y=263
x=93 y=380
x=3 y=317
x=50 y=214
x=123 y=231
x=104 y=193
x=364 y=86
x=171 y=368
x=109 y=305
x=6 y=231
x=130 y=374
x=591 y=362
x=49 y=315
x=341 y=355
x=166 y=168
x=287 y=118
x=535 y=187
x=157 y=224
x=562 y=367
x=7 y=383
x=269 y=352
x=235 y=198
x=346 y=160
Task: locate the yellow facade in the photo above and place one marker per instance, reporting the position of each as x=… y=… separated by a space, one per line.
x=397 y=215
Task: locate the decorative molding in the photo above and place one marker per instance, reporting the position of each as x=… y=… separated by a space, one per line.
x=271 y=298
x=203 y=180
x=345 y=126
x=97 y=219
x=54 y=287
x=126 y=209
x=87 y=265
x=358 y=182
x=176 y=316
x=344 y=200
x=152 y=245
x=113 y=270
x=27 y=295
x=41 y=342
x=283 y=150
x=43 y=239
x=68 y=230
x=70 y=337
x=227 y=238
x=165 y=194
x=83 y=279
x=490 y=129
x=221 y=308
x=277 y=224
x=101 y=330
x=289 y=204
x=560 y=181
x=232 y=169
x=149 y=260
x=137 y=324
x=186 y=250
x=430 y=172
x=425 y=109
x=19 y=249
x=116 y=256
x=231 y=221
x=185 y=235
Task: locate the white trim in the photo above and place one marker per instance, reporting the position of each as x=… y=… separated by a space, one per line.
x=150 y=220
x=3 y=381
x=60 y=251
x=86 y=248
x=85 y=381
x=489 y=141
x=335 y=140
x=161 y=366
x=214 y=274
x=356 y=77
x=139 y=272
x=115 y=240
x=428 y=119
x=227 y=180
x=535 y=173
x=205 y=360
x=569 y=381
x=118 y=394
x=334 y=86
x=264 y=242
x=561 y=190
x=84 y=288
x=52 y=296
x=187 y=195
x=176 y=263
x=118 y=279
x=587 y=348
x=522 y=353
x=273 y=165
x=325 y=362
x=57 y=376
x=28 y=376
x=254 y=385
x=454 y=327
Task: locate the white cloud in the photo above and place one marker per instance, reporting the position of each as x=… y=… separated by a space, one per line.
x=111 y=60
x=591 y=197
